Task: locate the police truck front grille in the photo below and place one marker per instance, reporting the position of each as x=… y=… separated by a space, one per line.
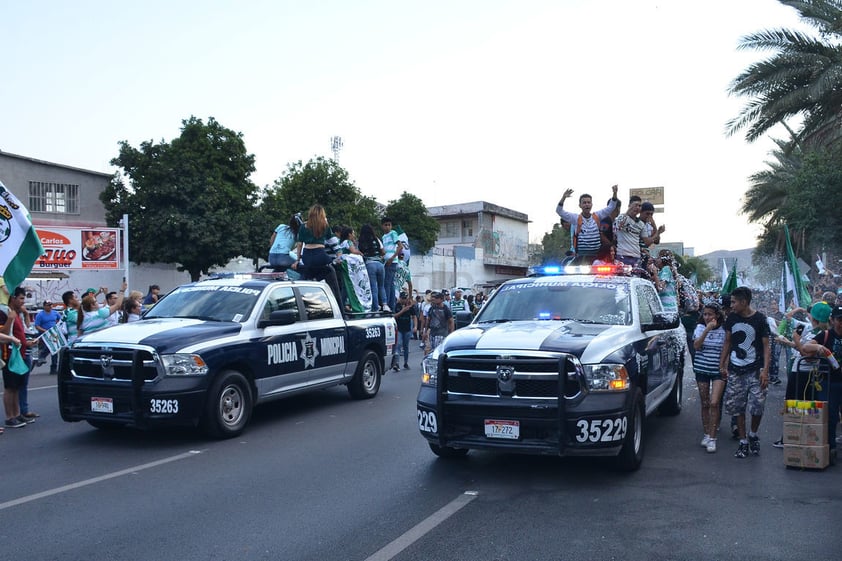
x=539 y=376
x=113 y=363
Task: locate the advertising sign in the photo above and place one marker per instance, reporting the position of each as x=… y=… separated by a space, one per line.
x=654 y=195
x=78 y=248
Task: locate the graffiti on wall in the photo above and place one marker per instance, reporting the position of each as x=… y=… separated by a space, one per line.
x=504 y=247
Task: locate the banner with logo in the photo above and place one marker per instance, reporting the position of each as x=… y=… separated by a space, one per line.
x=78 y=248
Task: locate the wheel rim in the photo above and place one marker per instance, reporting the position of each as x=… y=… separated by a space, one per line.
x=638 y=432
x=231 y=406
x=369 y=377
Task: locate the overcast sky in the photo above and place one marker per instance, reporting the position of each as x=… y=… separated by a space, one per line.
x=511 y=102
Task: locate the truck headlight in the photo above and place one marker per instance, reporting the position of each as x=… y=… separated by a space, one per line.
x=183 y=364
x=606 y=377
x=430 y=367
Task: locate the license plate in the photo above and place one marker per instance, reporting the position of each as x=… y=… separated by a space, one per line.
x=102 y=405
x=502 y=429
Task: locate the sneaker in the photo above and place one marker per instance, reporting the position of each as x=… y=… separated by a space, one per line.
x=779 y=443
x=421 y=345
x=775 y=381
x=754 y=445
x=742 y=451
x=395 y=367
x=386 y=308
x=26 y=420
x=31 y=415
x=711 y=447
x=405 y=366
x=705 y=441
x=15 y=423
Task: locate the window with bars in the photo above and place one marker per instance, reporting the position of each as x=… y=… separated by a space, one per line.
x=58 y=198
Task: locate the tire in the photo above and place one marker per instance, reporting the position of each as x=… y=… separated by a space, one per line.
x=366 y=381
x=106 y=425
x=447 y=452
x=672 y=404
x=631 y=454
x=229 y=405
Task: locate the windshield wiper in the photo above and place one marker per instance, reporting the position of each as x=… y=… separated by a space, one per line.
x=499 y=320
x=202 y=318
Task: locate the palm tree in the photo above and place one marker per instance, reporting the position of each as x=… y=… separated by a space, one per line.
x=765 y=201
x=802 y=79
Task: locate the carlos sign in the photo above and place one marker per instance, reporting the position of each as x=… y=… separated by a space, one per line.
x=78 y=248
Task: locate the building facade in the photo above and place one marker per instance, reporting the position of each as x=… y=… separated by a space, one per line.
x=480 y=245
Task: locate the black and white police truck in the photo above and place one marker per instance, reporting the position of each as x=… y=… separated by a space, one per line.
x=210 y=351
x=567 y=363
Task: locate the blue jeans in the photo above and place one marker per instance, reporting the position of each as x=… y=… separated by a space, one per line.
x=376 y=277
x=389 y=282
x=834 y=402
x=23 y=392
x=403 y=344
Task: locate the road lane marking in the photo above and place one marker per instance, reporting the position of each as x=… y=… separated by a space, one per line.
x=86 y=482
x=390 y=550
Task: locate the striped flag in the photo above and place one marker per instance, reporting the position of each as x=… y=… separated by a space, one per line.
x=54 y=339
x=19 y=243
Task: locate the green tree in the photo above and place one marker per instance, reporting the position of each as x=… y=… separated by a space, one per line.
x=803 y=78
x=688 y=266
x=409 y=212
x=555 y=243
x=188 y=200
x=319 y=181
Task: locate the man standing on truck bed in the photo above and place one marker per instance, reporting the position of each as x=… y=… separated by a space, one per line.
x=585 y=226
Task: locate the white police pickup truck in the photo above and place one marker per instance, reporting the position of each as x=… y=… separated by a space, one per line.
x=210 y=351
x=562 y=364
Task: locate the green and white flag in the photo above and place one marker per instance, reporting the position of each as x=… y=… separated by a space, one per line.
x=19 y=244
x=54 y=338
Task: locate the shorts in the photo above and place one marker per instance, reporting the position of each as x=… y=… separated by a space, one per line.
x=744 y=395
x=12 y=381
x=705 y=378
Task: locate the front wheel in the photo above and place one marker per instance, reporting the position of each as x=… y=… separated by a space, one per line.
x=631 y=454
x=366 y=381
x=229 y=406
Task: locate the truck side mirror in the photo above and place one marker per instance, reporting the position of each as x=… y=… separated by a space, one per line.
x=279 y=317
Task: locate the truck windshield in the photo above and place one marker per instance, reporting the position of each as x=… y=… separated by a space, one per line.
x=210 y=302
x=600 y=303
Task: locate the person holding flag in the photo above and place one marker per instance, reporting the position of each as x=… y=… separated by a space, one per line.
x=18 y=240
x=45 y=320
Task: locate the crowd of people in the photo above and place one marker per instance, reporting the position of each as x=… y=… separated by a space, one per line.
x=735 y=340
x=82 y=314
x=365 y=273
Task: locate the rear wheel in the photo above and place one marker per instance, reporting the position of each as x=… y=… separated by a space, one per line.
x=631 y=454
x=366 y=381
x=448 y=452
x=229 y=406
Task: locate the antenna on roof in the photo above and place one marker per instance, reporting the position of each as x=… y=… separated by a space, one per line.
x=335 y=146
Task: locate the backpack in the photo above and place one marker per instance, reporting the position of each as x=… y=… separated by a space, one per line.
x=688 y=298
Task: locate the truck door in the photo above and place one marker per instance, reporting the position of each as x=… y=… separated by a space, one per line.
x=284 y=367
x=322 y=336
x=653 y=348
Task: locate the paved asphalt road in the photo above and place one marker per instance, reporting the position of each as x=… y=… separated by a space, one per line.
x=323 y=477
